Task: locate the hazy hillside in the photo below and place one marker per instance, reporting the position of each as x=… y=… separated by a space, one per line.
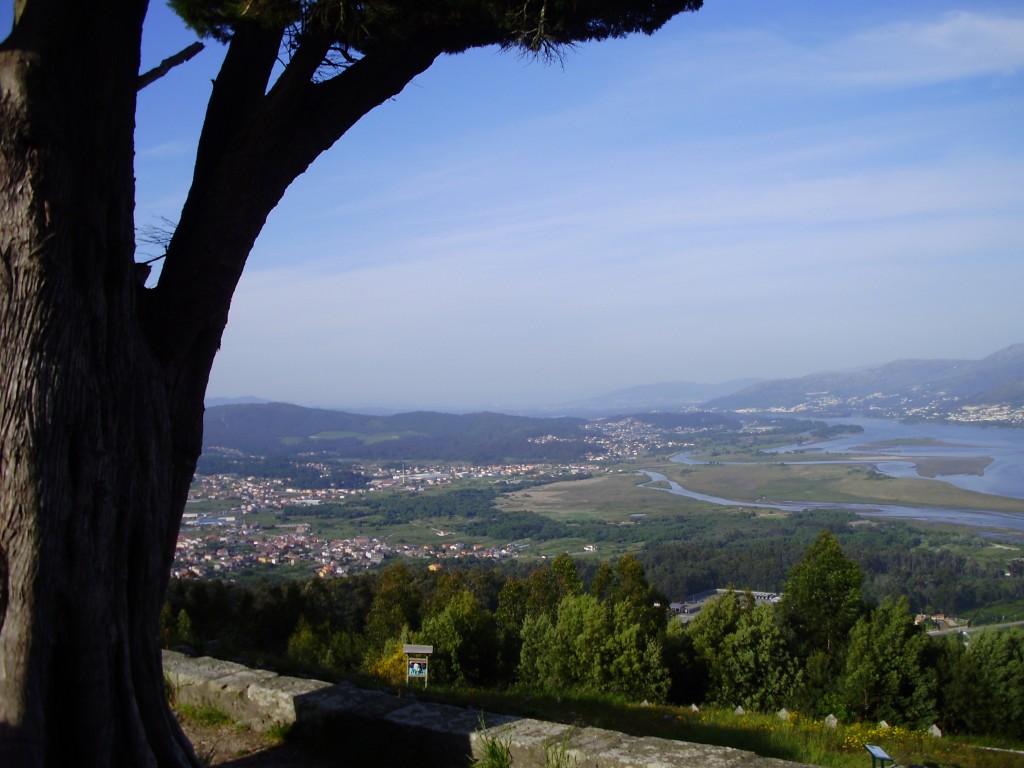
x=996 y=378
x=668 y=395
x=282 y=429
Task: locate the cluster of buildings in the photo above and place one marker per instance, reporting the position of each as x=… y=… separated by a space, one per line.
x=421 y=476
x=629 y=438
x=219 y=551
x=252 y=494
x=898 y=407
x=218 y=543
x=1007 y=415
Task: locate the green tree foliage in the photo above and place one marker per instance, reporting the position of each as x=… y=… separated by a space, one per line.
x=756 y=667
x=183 y=628
x=592 y=649
x=601 y=583
x=822 y=600
x=509 y=617
x=687 y=675
x=629 y=591
x=718 y=619
x=395 y=607
x=637 y=669
x=962 y=703
x=320 y=648
x=886 y=675
x=986 y=684
x=563 y=568
x=465 y=641
x=369 y=27
x=543 y=594
x=611 y=644
x=604 y=641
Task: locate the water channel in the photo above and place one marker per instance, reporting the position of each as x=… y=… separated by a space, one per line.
x=1004 y=476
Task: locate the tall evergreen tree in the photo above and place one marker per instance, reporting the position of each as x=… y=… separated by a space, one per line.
x=996 y=659
x=757 y=669
x=821 y=599
x=886 y=676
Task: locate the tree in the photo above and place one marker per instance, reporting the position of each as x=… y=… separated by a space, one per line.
x=629 y=588
x=636 y=663
x=594 y=648
x=509 y=618
x=991 y=676
x=717 y=620
x=465 y=643
x=757 y=669
x=886 y=675
x=395 y=608
x=821 y=599
x=101 y=395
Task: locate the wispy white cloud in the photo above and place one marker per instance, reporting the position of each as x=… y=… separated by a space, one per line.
x=958 y=45
x=165 y=149
x=917 y=50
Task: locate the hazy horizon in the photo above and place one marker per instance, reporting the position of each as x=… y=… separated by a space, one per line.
x=581 y=402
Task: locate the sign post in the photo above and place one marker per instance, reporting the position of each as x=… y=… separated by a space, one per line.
x=417 y=661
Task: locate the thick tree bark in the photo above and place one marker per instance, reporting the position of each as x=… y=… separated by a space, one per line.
x=88 y=512
x=102 y=381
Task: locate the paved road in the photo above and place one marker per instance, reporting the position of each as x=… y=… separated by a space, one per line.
x=979 y=628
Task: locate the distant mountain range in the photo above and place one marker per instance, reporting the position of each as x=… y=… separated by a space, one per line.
x=906 y=384
x=281 y=429
x=923 y=388
x=666 y=396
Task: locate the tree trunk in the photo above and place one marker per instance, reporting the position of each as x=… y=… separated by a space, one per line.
x=94 y=468
x=101 y=380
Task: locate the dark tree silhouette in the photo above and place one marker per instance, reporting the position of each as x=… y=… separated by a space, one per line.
x=101 y=380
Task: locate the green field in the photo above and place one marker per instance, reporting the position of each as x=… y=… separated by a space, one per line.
x=615 y=496
x=610 y=498
x=842 y=483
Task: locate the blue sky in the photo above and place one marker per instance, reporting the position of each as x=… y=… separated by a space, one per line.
x=761 y=189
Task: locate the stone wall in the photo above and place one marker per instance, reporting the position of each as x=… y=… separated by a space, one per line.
x=387 y=729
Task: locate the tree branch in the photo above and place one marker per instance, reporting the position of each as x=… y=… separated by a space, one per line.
x=230 y=200
x=240 y=87
x=168 y=64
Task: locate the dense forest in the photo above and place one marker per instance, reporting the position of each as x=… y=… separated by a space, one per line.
x=710 y=550
x=605 y=630
x=896 y=559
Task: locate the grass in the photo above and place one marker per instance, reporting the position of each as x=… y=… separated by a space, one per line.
x=610 y=498
x=798 y=739
x=830 y=483
x=278 y=733
x=556 y=755
x=207 y=715
x=497 y=752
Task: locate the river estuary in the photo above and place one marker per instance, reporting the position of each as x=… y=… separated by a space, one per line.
x=1004 y=476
